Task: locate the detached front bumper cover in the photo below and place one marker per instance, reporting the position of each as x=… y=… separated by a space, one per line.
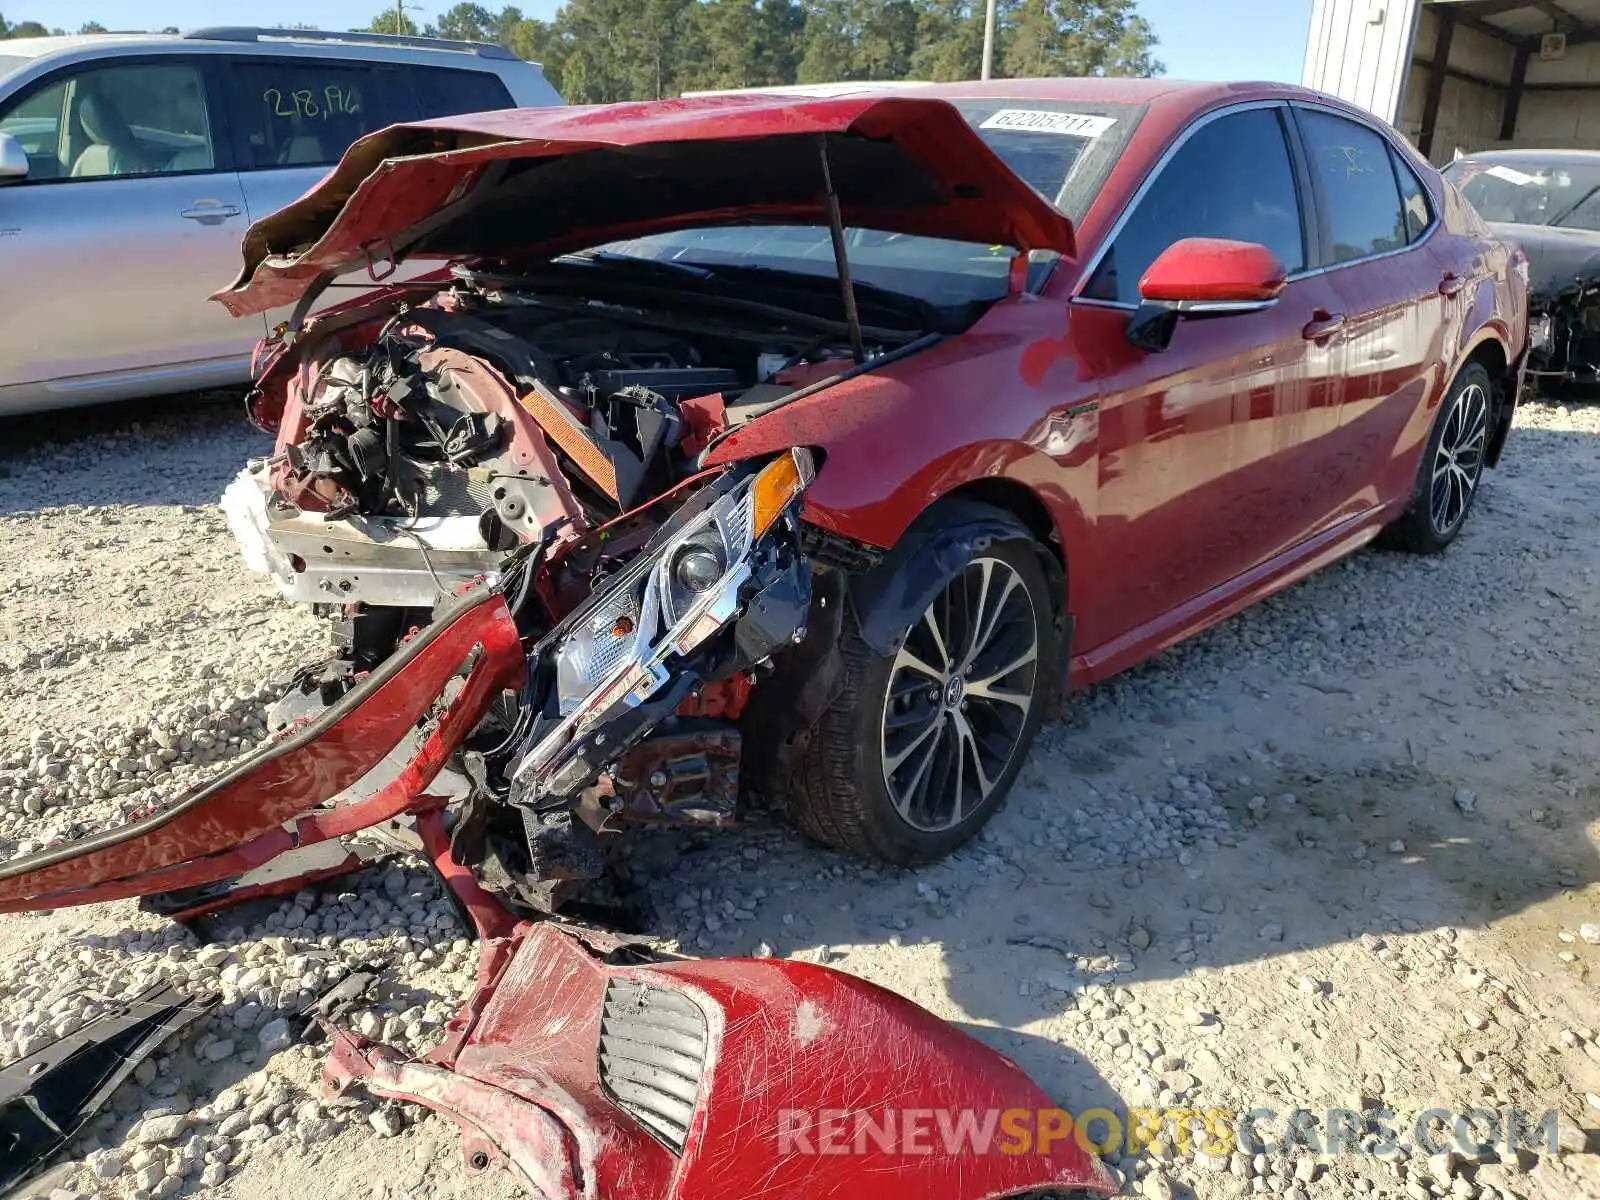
x=590 y=1076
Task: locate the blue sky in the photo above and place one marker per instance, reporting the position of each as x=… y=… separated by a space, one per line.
x=1200 y=39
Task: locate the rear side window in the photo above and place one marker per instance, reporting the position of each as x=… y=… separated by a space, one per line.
x=300 y=113
x=444 y=93
x=1413 y=198
x=1356 y=184
x=1231 y=179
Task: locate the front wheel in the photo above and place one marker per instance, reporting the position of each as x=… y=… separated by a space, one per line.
x=1451 y=467
x=923 y=744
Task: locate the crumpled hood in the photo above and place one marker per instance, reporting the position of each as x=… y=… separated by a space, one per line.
x=1557 y=257
x=552 y=180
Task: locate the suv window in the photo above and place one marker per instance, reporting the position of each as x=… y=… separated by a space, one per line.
x=305 y=113
x=1413 y=198
x=143 y=119
x=1231 y=179
x=443 y=93
x=1356 y=186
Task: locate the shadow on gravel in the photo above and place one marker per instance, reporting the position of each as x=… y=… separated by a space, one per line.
x=171 y=450
x=1070 y=1079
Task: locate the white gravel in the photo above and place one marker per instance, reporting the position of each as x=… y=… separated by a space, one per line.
x=1339 y=850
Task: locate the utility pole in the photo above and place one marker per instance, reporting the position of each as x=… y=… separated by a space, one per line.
x=988 y=39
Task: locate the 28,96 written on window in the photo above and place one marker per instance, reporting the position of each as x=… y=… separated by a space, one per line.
x=303 y=114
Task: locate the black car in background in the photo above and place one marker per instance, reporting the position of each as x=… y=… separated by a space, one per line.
x=1547 y=202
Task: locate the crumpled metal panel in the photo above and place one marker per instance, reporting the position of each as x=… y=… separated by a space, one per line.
x=269 y=804
x=780 y=1036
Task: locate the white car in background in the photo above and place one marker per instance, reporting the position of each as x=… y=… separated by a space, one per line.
x=131 y=165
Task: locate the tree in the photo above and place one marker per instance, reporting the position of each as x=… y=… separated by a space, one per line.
x=25 y=29
x=949 y=40
x=1076 y=37
x=596 y=51
x=467 y=22
x=395 y=20
x=741 y=43
x=92 y=27
x=537 y=41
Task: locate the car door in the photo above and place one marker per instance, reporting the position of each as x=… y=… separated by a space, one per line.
x=1208 y=447
x=1375 y=226
x=130 y=215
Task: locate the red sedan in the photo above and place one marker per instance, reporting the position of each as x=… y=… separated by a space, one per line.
x=805 y=446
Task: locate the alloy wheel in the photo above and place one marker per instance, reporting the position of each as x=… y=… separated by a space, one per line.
x=960 y=692
x=1459 y=461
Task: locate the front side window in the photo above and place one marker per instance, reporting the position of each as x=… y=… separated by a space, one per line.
x=1356 y=184
x=304 y=113
x=142 y=119
x=1231 y=179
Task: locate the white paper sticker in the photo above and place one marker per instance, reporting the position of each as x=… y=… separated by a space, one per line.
x=1509 y=175
x=1033 y=120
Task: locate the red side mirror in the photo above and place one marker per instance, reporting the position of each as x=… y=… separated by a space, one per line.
x=1213 y=271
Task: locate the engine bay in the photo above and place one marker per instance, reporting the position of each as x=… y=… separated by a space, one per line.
x=490 y=418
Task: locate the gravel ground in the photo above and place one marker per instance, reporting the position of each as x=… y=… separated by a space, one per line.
x=1339 y=852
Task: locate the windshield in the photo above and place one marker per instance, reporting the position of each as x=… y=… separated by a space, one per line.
x=1525 y=192
x=1063 y=149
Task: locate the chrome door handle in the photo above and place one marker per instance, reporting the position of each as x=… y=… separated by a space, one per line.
x=209 y=212
x=1323 y=325
x=1451 y=284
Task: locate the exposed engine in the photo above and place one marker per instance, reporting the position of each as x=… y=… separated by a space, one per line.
x=483 y=423
x=549 y=448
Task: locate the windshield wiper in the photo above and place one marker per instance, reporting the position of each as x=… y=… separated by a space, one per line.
x=610 y=258
x=1582 y=200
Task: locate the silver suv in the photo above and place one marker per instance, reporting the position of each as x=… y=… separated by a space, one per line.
x=130 y=166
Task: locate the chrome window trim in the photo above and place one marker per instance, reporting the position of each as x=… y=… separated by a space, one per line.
x=1093 y=264
x=1383 y=135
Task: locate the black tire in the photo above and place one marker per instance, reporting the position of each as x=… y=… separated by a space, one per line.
x=839 y=794
x=1451 y=467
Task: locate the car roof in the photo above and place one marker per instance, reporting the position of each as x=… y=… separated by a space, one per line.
x=1088 y=88
x=252 y=40
x=1590 y=157
x=37 y=47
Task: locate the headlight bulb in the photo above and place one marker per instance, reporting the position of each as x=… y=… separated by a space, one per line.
x=698 y=568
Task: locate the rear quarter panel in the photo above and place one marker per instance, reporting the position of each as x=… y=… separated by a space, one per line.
x=1490 y=310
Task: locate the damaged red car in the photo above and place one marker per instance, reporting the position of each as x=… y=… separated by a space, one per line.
x=804 y=449
x=801 y=450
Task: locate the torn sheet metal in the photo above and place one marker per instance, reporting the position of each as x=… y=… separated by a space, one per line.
x=272 y=803
x=47 y=1097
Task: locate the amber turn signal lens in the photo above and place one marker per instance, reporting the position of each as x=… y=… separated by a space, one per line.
x=775 y=488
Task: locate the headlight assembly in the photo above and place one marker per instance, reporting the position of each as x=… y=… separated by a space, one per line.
x=665 y=604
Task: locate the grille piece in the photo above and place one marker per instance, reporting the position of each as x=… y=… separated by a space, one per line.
x=652 y=1056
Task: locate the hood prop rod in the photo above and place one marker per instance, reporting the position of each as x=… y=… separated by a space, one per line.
x=841 y=259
